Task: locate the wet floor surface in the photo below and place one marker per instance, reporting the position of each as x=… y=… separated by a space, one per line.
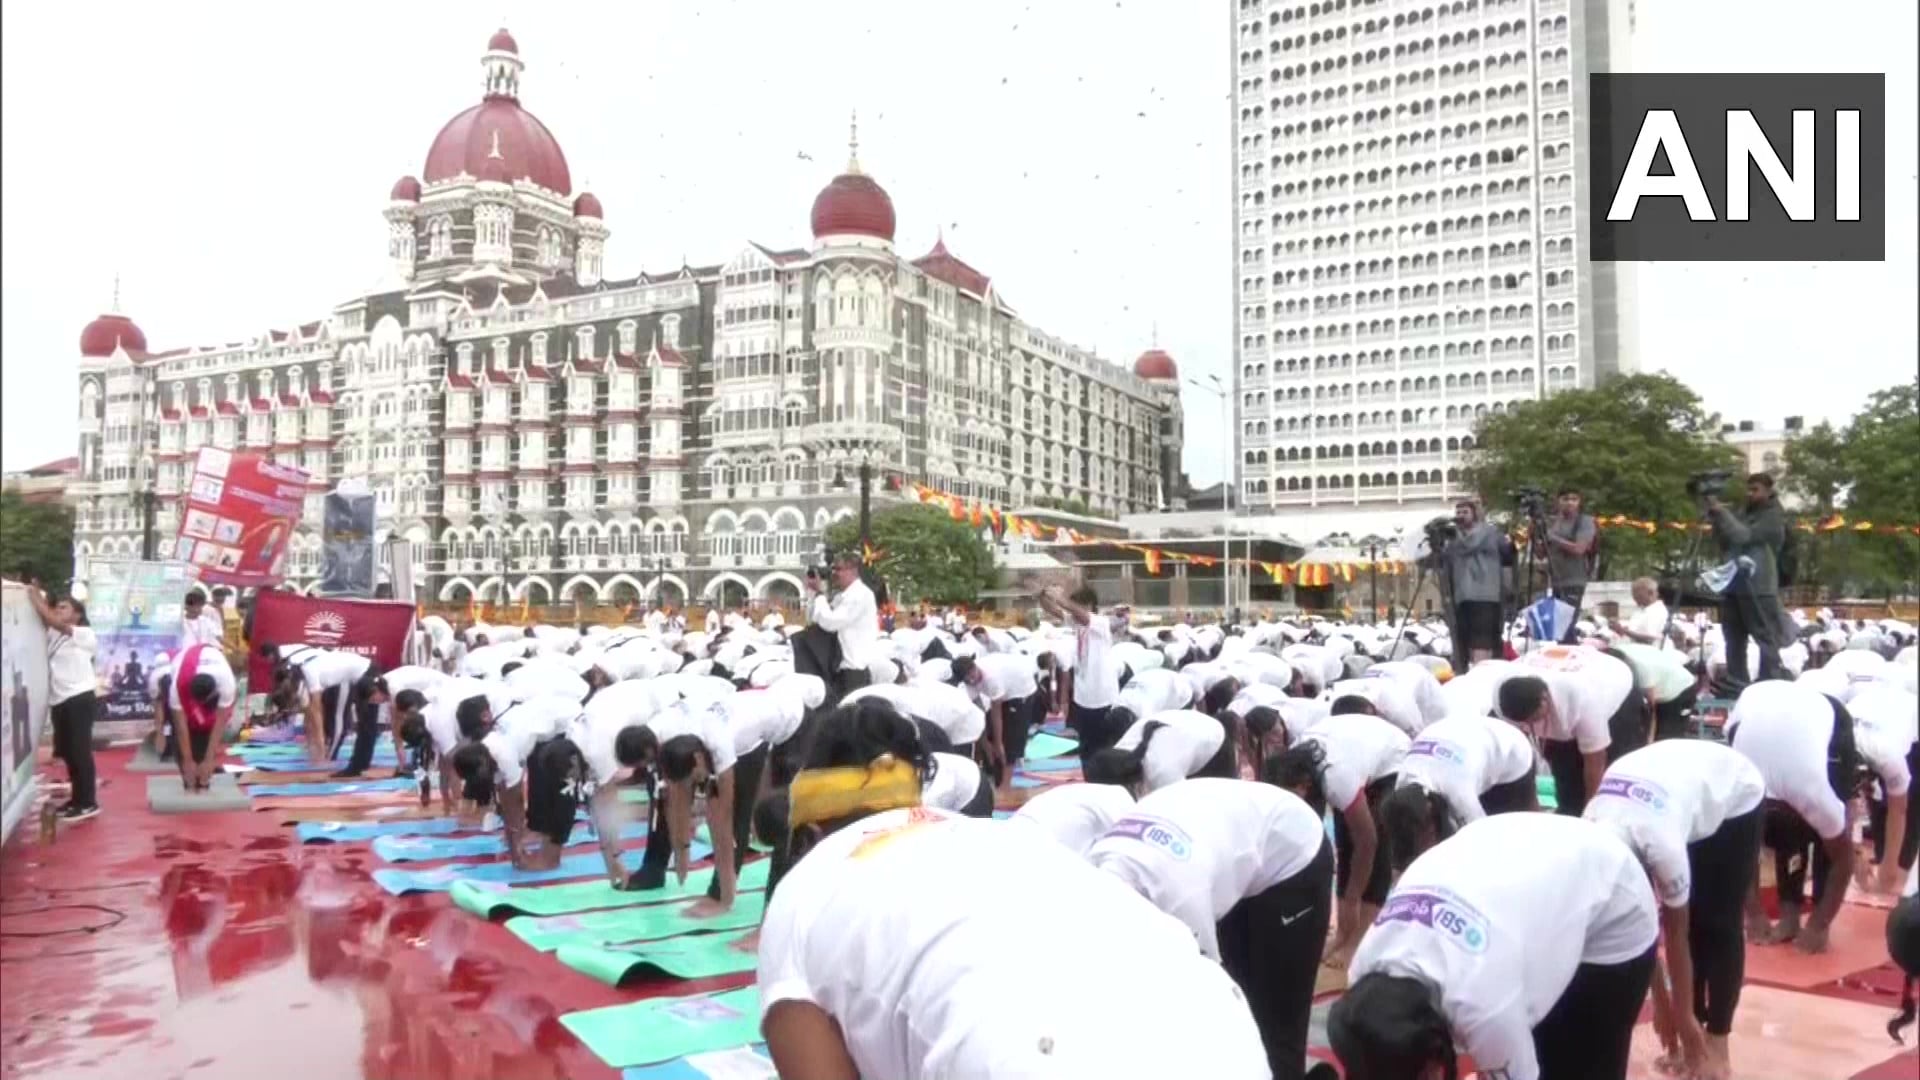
x=216 y=947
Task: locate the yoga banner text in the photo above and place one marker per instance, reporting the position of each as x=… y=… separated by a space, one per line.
x=372 y=628
x=241 y=510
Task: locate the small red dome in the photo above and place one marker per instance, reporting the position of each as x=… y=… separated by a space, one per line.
x=108 y=332
x=501 y=41
x=405 y=189
x=498 y=140
x=588 y=206
x=853 y=204
x=1156 y=364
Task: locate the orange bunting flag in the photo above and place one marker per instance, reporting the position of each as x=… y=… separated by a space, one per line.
x=1202 y=560
x=1863 y=526
x=526 y=606
x=975 y=517
x=954 y=508
x=870 y=554
x=1832 y=523
x=1152 y=560
x=993 y=515
x=473 y=612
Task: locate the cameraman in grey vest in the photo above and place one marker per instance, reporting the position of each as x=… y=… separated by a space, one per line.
x=1570 y=538
x=1750 y=607
x=1471 y=562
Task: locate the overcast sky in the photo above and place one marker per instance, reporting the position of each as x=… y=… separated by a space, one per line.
x=230 y=162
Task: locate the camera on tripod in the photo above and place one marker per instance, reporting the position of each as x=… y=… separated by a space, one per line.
x=1530 y=501
x=1440 y=531
x=1708 y=484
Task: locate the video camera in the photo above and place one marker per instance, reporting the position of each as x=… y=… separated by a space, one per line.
x=1530 y=501
x=1441 y=531
x=1708 y=484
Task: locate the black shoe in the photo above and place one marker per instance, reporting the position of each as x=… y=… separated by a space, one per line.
x=347 y=774
x=647 y=877
x=78 y=813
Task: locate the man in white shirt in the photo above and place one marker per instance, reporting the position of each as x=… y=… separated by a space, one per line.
x=1096 y=675
x=852 y=617
x=200 y=624
x=1007 y=688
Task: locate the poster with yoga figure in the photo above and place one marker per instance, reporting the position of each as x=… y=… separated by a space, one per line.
x=135 y=608
x=23 y=684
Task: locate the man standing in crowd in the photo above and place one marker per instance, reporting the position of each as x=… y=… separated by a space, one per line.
x=1569 y=542
x=1750 y=605
x=200 y=625
x=852 y=616
x=1471 y=562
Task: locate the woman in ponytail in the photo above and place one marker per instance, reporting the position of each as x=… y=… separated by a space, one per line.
x=1158 y=750
x=1457 y=771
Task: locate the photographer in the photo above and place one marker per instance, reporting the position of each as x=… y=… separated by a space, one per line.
x=1470 y=561
x=1750 y=606
x=852 y=616
x=1569 y=540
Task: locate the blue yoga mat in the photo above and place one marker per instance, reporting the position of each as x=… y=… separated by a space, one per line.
x=404 y=849
x=303 y=764
x=686 y=1068
x=344 y=832
x=344 y=787
x=1002 y=815
x=1024 y=782
x=440 y=879
x=1057 y=764
x=291 y=749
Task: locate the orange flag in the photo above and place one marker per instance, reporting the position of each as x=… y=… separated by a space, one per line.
x=1152 y=560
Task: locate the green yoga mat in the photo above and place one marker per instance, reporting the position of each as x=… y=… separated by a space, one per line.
x=649 y=923
x=1544 y=786
x=702 y=835
x=496 y=902
x=692 y=956
x=661 y=1029
x=1044 y=745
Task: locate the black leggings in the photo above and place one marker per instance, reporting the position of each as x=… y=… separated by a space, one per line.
x=1270 y=943
x=1789 y=835
x=554 y=771
x=981 y=805
x=1588 y=1033
x=1723 y=867
x=1376 y=891
x=1569 y=769
x=746 y=784
x=1090 y=726
x=1017 y=720
x=170 y=739
x=1670 y=717
x=1877 y=818
x=73 y=744
x=1628 y=727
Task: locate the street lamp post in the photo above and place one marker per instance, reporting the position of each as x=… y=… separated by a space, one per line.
x=1214 y=386
x=866 y=500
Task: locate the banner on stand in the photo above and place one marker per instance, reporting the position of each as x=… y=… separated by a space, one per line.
x=135 y=608
x=23 y=684
x=241 y=510
x=346 y=543
x=378 y=629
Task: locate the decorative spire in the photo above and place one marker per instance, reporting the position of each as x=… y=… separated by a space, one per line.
x=1156 y=333
x=116 y=292
x=853 y=145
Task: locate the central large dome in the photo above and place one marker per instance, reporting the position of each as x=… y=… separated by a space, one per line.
x=498 y=140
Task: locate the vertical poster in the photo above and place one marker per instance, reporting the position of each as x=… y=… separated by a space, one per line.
x=135 y=608
x=241 y=510
x=23 y=684
x=346 y=552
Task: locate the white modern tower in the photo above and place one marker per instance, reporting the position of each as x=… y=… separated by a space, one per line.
x=1411 y=208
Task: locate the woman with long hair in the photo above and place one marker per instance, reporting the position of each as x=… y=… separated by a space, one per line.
x=1457 y=771
x=70 y=691
x=1160 y=750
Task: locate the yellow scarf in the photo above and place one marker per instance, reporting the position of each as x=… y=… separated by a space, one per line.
x=818 y=795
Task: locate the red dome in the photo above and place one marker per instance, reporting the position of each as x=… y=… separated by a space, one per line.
x=1156 y=364
x=107 y=332
x=498 y=140
x=405 y=189
x=501 y=41
x=588 y=206
x=853 y=204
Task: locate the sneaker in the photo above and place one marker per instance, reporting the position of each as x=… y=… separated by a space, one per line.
x=79 y=813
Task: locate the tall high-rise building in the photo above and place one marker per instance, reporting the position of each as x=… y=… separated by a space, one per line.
x=1411 y=199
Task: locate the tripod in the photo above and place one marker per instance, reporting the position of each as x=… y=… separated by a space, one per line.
x=1446 y=606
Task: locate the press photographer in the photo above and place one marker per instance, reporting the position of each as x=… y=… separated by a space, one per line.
x=1469 y=558
x=852 y=616
x=1569 y=540
x=1751 y=539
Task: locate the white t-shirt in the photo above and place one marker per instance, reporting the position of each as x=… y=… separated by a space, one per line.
x=443 y=723
x=1477 y=691
x=212 y=662
x=521 y=726
x=609 y=712
x=1651 y=620
x=1009 y=676
x=208 y=629
x=542 y=676
x=1675 y=792
x=1197 y=849
x=1096 y=678
x=1392 y=700
x=956 y=780
x=946 y=707
x=900 y=927
x=706 y=721
x=424 y=680
x=1784 y=729
x=486 y=661
x=1418 y=681
x=1156 y=690
x=1186 y=741
x=699 y=689
x=762 y=718
x=1318 y=665
x=1359 y=750
x=1499 y=917
x=853 y=616
x=326 y=669
x=1858 y=665
x=1662 y=671
x=1263 y=668
x=1076 y=814
x=1886 y=724
x=1256 y=696
x=1587 y=687
x=1463 y=757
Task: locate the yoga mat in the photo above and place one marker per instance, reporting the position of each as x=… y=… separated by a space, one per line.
x=345 y=832
x=146 y=760
x=168 y=795
x=701 y=834
x=740 y=1063
x=405 y=849
x=491 y=901
x=1002 y=815
x=661 y=1029
x=378 y=806
x=691 y=956
x=1543 y=786
x=1048 y=745
x=304 y=764
x=1023 y=783
x=632 y=924
x=440 y=879
x=1783 y=1035
x=1050 y=765
x=1856 y=941
x=344 y=787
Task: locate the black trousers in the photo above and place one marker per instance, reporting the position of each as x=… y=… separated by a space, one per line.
x=653 y=863
x=1571 y=595
x=1270 y=943
x=170 y=741
x=552 y=798
x=1670 y=717
x=1723 y=867
x=73 y=743
x=1569 y=775
x=1017 y=721
x=981 y=805
x=366 y=730
x=746 y=784
x=1589 y=1031
x=1629 y=726
x=1877 y=818
x=1092 y=728
x=1741 y=619
x=1789 y=835
x=1376 y=891
x=847 y=680
x=1512 y=796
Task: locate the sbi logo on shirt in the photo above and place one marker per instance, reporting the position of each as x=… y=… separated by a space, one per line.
x=1167 y=837
x=1439 y=750
x=1640 y=792
x=1451 y=917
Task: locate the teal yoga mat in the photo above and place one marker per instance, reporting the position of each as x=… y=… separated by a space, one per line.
x=661 y=1029
x=493 y=901
x=1044 y=745
x=634 y=924
x=690 y=956
x=406 y=849
x=349 y=787
x=740 y=1063
x=441 y=878
x=1548 y=799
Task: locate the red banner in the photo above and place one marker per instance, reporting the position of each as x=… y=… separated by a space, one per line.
x=372 y=628
x=241 y=510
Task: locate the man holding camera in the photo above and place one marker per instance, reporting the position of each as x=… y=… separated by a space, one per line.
x=1470 y=560
x=852 y=616
x=1569 y=539
x=1750 y=605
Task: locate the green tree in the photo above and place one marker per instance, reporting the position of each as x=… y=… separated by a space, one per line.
x=1818 y=472
x=36 y=541
x=1628 y=444
x=1874 y=474
x=924 y=555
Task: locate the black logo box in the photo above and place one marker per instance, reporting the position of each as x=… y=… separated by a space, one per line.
x=1661 y=230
